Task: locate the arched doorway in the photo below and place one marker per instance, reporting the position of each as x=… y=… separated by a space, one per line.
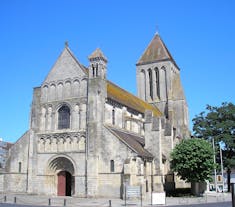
x=64 y=172
x=64 y=185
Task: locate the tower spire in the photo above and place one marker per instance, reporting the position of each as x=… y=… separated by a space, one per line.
x=98 y=63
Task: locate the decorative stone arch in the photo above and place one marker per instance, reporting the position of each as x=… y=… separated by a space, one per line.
x=43 y=118
x=82 y=143
x=52 y=91
x=63 y=104
x=64 y=169
x=76 y=115
x=76 y=87
x=60 y=87
x=45 y=89
x=67 y=88
x=83 y=87
x=69 y=162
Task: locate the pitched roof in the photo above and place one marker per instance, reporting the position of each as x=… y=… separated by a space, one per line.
x=84 y=69
x=97 y=54
x=133 y=141
x=156 y=51
x=121 y=96
x=66 y=66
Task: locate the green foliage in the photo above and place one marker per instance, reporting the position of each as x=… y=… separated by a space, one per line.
x=218 y=124
x=192 y=160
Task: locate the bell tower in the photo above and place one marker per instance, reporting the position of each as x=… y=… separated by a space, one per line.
x=97 y=93
x=158 y=83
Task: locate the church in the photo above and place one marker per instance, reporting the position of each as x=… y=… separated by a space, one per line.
x=89 y=137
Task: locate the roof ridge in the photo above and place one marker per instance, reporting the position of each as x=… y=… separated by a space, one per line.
x=131 y=141
x=73 y=56
x=168 y=52
x=147 y=48
x=66 y=48
x=125 y=130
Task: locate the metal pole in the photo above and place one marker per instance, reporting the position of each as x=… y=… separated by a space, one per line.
x=151 y=183
x=233 y=194
x=141 y=201
x=125 y=194
x=222 y=167
x=215 y=174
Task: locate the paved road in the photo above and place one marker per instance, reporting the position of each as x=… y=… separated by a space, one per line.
x=224 y=204
x=16 y=205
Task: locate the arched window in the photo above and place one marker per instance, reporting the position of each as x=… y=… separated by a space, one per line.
x=93 y=71
x=96 y=69
x=150 y=83
x=157 y=82
x=64 y=117
x=19 y=167
x=113 y=116
x=111 y=165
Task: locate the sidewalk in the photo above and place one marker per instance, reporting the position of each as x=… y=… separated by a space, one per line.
x=107 y=202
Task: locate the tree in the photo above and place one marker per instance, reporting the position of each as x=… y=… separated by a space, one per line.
x=218 y=123
x=192 y=160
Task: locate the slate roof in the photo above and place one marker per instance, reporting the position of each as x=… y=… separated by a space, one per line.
x=121 y=96
x=156 y=51
x=133 y=141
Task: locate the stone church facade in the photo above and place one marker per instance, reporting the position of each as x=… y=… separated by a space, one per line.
x=88 y=137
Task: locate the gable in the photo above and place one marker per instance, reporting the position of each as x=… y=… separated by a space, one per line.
x=66 y=67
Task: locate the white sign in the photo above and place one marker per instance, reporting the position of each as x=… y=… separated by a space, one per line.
x=159 y=198
x=133 y=191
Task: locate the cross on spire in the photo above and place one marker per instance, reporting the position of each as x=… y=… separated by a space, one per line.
x=157 y=30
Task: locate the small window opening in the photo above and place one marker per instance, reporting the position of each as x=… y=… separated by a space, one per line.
x=93 y=71
x=113 y=116
x=19 y=167
x=150 y=84
x=111 y=165
x=96 y=70
x=147 y=186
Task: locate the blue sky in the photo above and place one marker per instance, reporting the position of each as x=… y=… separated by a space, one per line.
x=200 y=34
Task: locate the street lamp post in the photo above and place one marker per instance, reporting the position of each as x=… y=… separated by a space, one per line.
x=215 y=174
